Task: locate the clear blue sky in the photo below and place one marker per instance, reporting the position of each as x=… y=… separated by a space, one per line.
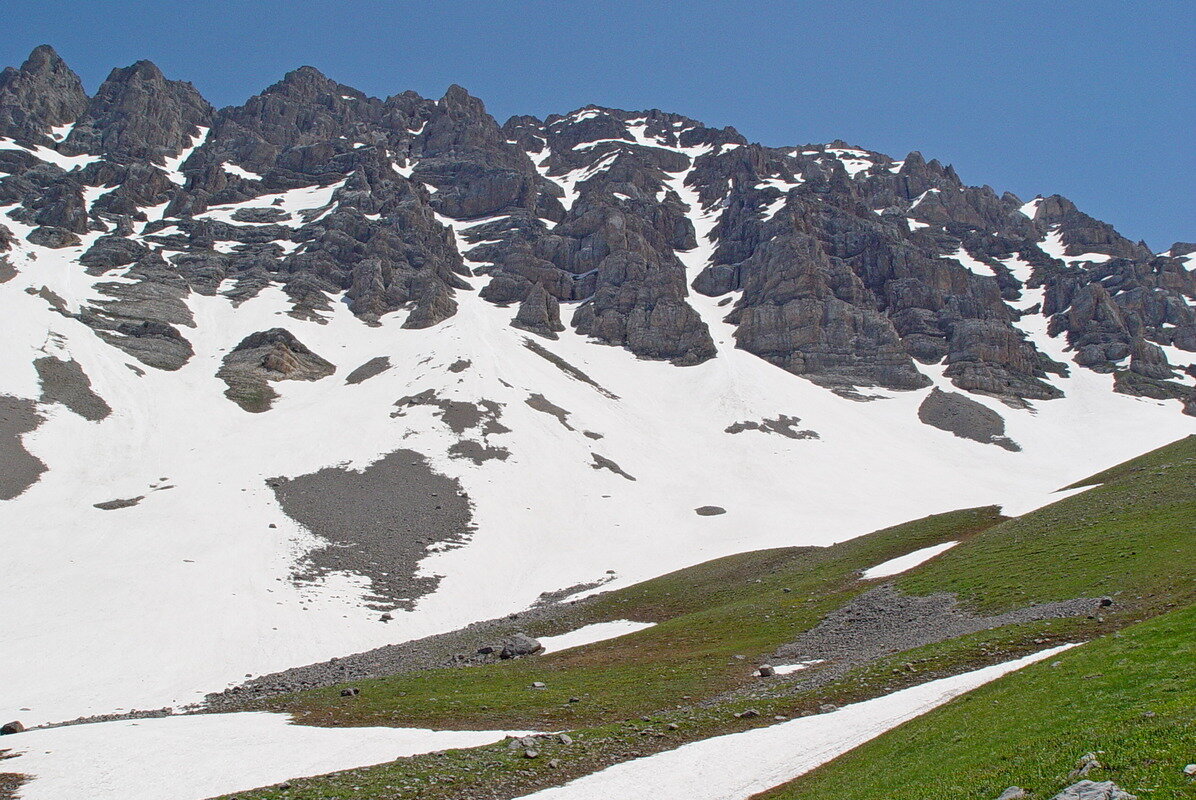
x=1094 y=100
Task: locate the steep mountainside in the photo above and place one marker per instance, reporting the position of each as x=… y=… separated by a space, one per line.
x=323 y=372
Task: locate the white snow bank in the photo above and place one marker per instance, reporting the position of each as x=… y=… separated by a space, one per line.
x=898 y=565
x=194 y=757
x=233 y=169
x=739 y=765
x=67 y=163
x=787 y=669
x=589 y=634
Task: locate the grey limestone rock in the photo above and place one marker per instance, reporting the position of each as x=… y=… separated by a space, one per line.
x=264 y=357
x=1092 y=790
x=42 y=94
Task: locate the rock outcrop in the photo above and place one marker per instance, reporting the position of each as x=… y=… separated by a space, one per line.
x=836 y=263
x=265 y=357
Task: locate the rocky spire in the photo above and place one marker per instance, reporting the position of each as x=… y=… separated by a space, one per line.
x=43 y=94
x=139 y=114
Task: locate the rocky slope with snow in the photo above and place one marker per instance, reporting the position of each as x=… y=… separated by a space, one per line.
x=324 y=372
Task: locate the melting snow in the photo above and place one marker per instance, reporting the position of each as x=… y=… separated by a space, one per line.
x=241 y=172
x=67 y=163
x=788 y=669
x=739 y=765
x=965 y=259
x=896 y=566
x=173 y=165
x=589 y=634
x=1054 y=247
x=200 y=756
x=1031 y=208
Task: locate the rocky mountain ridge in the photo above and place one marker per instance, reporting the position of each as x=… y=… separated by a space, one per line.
x=835 y=263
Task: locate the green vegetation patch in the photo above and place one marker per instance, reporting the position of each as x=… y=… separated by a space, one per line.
x=744 y=605
x=1129 y=697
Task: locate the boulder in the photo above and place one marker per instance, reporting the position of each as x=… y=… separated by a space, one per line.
x=56 y=238
x=519 y=645
x=1090 y=790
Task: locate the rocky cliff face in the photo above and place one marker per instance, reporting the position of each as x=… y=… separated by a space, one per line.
x=836 y=263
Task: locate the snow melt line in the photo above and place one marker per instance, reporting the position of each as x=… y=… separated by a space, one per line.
x=597 y=632
x=739 y=765
x=900 y=564
x=204 y=755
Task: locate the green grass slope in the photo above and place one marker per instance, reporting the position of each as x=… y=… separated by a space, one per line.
x=705 y=615
x=1129 y=697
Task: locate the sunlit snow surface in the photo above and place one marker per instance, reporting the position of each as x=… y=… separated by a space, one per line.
x=159 y=603
x=201 y=756
x=896 y=566
x=739 y=765
x=599 y=631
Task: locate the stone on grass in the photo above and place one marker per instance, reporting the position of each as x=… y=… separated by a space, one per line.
x=1090 y=790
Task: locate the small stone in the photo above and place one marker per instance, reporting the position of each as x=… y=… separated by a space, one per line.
x=766 y=671
x=386 y=617
x=827 y=708
x=1086 y=764
x=11 y=727
x=554 y=763
x=709 y=511
x=351 y=692
x=1013 y=793
x=531 y=753
x=565 y=738
x=485 y=651
x=748 y=714
x=1190 y=770
x=539 y=685
x=574 y=699
x=673 y=726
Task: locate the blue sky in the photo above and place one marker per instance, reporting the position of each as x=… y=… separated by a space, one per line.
x=1095 y=100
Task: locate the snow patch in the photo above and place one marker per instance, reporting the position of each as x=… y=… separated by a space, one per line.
x=204 y=755
x=739 y=765
x=240 y=172
x=597 y=632
x=896 y=566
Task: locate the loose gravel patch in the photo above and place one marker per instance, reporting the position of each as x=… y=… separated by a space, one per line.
x=18 y=468
x=370 y=369
x=379 y=522
x=65 y=382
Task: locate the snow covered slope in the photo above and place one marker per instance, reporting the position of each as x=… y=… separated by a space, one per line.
x=459 y=462
x=189 y=590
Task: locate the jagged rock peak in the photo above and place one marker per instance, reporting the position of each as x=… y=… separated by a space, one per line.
x=42 y=94
x=308 y=83
x=457 y=98
x=138 y=114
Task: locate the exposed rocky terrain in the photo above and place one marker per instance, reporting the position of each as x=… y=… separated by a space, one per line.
x=840 y=264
